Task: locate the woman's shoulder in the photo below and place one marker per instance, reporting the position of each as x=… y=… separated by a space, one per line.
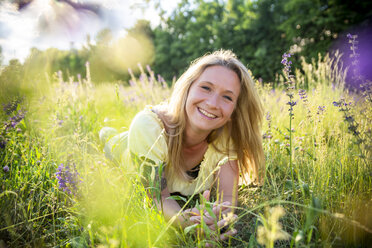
x=146 y=136
x=146 y=118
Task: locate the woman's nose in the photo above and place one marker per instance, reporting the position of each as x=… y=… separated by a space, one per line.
x=212 y=101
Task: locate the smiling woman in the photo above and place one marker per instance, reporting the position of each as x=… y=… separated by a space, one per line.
x=205 y=137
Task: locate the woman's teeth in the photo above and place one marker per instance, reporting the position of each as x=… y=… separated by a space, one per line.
x=207 y=114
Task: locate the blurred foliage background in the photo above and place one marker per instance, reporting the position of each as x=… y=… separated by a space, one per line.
x=257 y=31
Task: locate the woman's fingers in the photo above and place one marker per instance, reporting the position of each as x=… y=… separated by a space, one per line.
x=219 y=225
x=207 y=219
x=224 y=222
x=228 y=234
x=191 y=212
x=217 y=208
x=206 y=195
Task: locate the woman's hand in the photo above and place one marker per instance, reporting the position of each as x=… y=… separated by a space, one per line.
x=217 y=220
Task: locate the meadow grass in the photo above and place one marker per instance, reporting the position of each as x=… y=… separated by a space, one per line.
x=325 y=202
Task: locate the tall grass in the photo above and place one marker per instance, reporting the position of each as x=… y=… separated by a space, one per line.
x=326 y=200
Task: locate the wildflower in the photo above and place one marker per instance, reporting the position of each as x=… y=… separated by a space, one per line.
x=11 y=106
x=268 y=116
x=321 y=109
x=148 y=68
x=302 y=94
x=2 y=144
x=267 y=136
x=349 y=118
x=6 y=168
x=14 y=120
x=271 y=230
x=68 y=178
x=349 y=36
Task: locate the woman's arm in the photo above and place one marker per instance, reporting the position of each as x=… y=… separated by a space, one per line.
x=171 y=208
x=228 y=179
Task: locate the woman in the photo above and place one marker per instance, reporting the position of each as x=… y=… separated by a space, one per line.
x=207 y=135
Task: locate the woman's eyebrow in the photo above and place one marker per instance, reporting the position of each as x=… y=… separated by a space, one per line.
x=208 y=82
x=227 y=91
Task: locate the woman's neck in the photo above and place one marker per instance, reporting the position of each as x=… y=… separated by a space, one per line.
x=193 y=140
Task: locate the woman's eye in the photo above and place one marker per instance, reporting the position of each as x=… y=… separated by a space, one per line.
x=228 y=98
x=206 y=88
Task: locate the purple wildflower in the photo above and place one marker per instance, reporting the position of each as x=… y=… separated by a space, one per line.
x=321 y=109
x=268 y=116
x=14 y=120
x=349 y=118
x=68 y=178
x=302 y=94
x=6 y=168
x=352 y=123
x=148 y=68
x=132 y=83
x=268 y=134
x=349 y=36
x=11 y=106
x=2 y=144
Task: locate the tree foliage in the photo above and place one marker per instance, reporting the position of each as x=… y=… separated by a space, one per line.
x=259 y=32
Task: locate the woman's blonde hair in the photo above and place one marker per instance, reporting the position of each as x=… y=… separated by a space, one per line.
x=244 y=127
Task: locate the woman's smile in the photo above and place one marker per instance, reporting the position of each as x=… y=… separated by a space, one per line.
x=207 y=114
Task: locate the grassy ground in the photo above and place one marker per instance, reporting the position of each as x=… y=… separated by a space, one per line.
x=317 y=190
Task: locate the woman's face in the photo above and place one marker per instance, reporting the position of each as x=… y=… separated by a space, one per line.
x=212 y=99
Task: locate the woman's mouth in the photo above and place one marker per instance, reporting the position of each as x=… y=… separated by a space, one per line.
x=207 y=114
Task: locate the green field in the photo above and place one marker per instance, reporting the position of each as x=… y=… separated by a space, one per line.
x=317 y=190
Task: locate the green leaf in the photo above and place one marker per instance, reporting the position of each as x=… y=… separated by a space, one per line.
x=252 y=242
x=210 y=211
x=190 y=228
x=177 y=198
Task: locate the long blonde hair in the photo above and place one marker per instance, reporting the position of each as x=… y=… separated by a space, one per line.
x=244 y=127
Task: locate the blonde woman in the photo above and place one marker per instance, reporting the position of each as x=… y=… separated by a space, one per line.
x=207 y=135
